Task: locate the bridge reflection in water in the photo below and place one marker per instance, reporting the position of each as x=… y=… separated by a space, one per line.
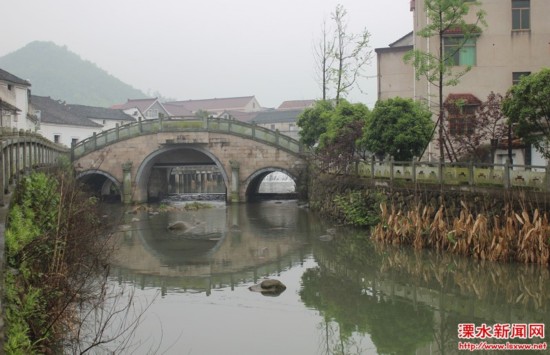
x=363 y=298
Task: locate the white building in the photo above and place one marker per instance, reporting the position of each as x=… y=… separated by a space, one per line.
x=67 y=124
x=514 y=44
x=145 y=109
x=14 y=103
x=106 y=117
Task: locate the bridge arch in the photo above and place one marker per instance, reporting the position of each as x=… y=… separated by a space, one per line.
x=253 y=182
x=103 y=183
x=145 y=169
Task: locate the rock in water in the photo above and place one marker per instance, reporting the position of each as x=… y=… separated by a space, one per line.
x=179 y=225
x=269 y=287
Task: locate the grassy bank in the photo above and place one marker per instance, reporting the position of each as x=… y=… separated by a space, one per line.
x=56 y=263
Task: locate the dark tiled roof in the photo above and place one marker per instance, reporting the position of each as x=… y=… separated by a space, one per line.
x=296 y=104
x=57 y=112
x=101 y=113
x=5 y=76
x=177 y=110
x=227 y=103
x=241 y=115
x=8 y=107
x=277 y=116
x=141 y=104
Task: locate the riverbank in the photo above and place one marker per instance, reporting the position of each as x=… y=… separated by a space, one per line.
x=56 y=265
x=4 y=209
x=496 y=226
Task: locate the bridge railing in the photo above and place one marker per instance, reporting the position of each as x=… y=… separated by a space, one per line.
x=142 y=127
x=22 y=151
x=507 y=175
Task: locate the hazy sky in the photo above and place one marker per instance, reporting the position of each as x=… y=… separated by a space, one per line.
x=188 y=49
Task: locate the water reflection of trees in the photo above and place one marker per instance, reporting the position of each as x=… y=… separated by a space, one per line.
x=356 y=310
x=338 y=291
x=406 y=299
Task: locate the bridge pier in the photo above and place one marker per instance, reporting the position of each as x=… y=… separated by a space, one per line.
x=234 y=194
x=127 y=182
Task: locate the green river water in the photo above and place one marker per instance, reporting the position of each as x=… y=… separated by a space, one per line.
x=344 y=295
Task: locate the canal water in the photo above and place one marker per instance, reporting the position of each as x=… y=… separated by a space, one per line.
x=344 y=294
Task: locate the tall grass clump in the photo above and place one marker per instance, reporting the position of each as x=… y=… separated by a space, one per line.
x=521 y=236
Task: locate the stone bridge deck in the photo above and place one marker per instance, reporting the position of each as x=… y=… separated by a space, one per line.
x=245 y=130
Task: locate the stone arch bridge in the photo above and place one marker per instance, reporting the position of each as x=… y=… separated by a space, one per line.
x=137 y=159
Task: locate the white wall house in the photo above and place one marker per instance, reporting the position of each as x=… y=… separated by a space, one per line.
x=216 y=107
x=144 y=109
x=59 y=124
x=282 y=120
x=14 y=99
x=106 y=117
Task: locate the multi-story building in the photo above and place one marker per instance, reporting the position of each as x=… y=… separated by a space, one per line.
x=515 y=42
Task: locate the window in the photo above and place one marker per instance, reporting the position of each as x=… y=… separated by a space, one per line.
x=461 y=120
x=273 y=127
x=56 y=138
x=461 y=113
x=74 y=141
x=291 y=127
x=516 y=76
x=153 y=113
x=521 y=13
x=104 y=122
x=459 y=51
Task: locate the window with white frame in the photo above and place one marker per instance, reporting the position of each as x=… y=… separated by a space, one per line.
x=459 y=50
x=521 y=15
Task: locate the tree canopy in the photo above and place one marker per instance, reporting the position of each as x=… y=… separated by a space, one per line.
x=340 y=145
x=398 y=127
x=488 y=124
x=313 y=122
x=527 y=105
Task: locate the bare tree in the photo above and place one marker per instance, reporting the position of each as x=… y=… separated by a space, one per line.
x=351 y=54
x=323 y=58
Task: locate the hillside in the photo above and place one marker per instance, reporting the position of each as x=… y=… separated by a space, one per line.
x=61 y=74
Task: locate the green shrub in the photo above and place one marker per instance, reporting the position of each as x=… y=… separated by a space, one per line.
x=359 y=208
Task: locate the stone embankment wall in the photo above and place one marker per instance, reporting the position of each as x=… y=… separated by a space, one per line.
x=323 y=188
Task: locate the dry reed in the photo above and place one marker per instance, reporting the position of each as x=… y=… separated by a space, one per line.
x=513 y=236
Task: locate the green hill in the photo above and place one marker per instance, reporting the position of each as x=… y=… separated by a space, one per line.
x=61 y=74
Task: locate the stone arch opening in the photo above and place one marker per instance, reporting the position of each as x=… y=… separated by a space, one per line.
x=181 y=170
x=271 y=183
x=102 y=185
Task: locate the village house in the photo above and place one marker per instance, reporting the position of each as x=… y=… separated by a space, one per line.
x=514 y=44
x=216 y=107
x=15 y=102
x=68 y=124
x=144 y=109
x=106 y=117
x=282 y=120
